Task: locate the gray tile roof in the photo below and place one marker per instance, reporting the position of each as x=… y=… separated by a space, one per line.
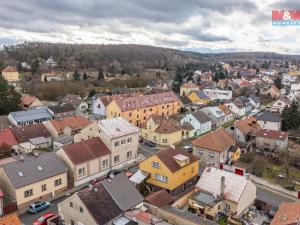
x=201 y=117
x=34 y=114
x=255 y=98
x=49 y=162
x=123 y=191
x=268 y=116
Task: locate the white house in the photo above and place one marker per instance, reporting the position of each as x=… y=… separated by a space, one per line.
x=295 y=92
x=216 y=115
x=217 y=94
x=254 y=101
x=279 y=105
x=75 y=100
x=269 y=121
x=199 y=121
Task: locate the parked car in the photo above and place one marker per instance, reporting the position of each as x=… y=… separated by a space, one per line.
x=149 y=143
x=38 y=206
x=188 y=148
x=43 y=220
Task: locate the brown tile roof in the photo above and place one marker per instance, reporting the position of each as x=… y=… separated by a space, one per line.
x=159 y=198
x=218 y=140
x=86 y=150
x=27 y=100
x=287 y=214
x=166 y=125
x=10 y=69
x=225 y=109
x=272 y=134
x=25 y=133
x=189 y=85
x=166 y=156
x=144 y=101
x=274 y=88
x=75 y=100
x=11 y=219
x=108 y=98
x=74 y=122
x=100 y=204
x=247 y=125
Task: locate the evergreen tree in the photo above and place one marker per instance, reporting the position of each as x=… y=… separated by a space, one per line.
x=177 y=80
x=10 y=100
x=76 y=75
x=84 y=77
x=35 y=66
x=100 y=74
x=291 y=117
x=277 y=83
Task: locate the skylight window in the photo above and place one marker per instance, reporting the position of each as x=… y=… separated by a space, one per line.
x=40 y=168
x=20 y=174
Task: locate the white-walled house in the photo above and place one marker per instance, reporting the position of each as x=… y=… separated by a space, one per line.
x=254 y=101
x=279 y=105
x=199 y=121
x=269 y=121
x=122 y=139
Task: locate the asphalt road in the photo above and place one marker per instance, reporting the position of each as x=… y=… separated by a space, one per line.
x=270 y=198
x=28 y=218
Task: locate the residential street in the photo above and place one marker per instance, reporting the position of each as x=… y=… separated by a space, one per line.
x=28 y=218
x=270 y=198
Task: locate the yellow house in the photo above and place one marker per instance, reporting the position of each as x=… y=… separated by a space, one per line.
x=10 y=74
x=31 y=178
x=173 y=169
x=163 y=131
x=187 y=88
x=199 y=97
x=138 y=109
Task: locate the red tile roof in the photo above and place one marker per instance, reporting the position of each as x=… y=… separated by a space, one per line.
x=144 y=101
x=6 y=136
x=166 y=156
x=27 y=100
x=74 y=122
x=218 y=140
x=27 y=132
x=108 y=98
x=287 y=214
x=247 y=125
x=159 y=198
x=225 y=109
x=10 y=69
x=11 y=219
x=86 y=150
x=189 y=85
x=272 y=134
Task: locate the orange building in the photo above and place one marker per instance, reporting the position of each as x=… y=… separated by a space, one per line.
x=138 y=109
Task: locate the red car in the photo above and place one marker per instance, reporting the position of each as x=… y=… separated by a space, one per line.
x=43 y=219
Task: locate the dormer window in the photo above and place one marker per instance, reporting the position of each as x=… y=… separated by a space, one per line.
x=155 y=164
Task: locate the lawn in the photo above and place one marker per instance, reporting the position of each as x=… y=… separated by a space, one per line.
x=271 y=171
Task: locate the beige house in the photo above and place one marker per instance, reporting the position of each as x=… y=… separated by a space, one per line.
x=70 y=125
x=26 y=179
x=219 y=191
x=88 y=132
x=122 y=139
x=10 y=74
x=187 y=88
x=86 y=160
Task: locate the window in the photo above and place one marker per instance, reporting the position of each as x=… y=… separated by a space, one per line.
x=72 y=222
x=227 y=207
x=116 y=158
x=161 y=178
x=167 y=106
x=129 y=140
x=165 y=140
x=105 y=163
x=150 y=109
x=117 y=144
x=137 y=116
x=200 y=152
x=123 y=142
x=155 y=164
x=130 y=114
x=81 y=172
x=163 y=107
x=129 y=154
x=144 y=117
x=145 y=110
x=44 y=187
x=80 y=209
x=28 y=193
x=99 y=106
x=211 y=155
x=193 y=169
x=57 y=182
x=71 y=204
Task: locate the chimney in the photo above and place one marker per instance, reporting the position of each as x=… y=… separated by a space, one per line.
x=22 y=158
x=222 y=186
x=90 y=187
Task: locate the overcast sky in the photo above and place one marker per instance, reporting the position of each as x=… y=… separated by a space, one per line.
x=198 y=25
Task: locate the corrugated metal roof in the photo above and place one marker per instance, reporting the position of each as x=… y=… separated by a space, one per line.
x=34 y=114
